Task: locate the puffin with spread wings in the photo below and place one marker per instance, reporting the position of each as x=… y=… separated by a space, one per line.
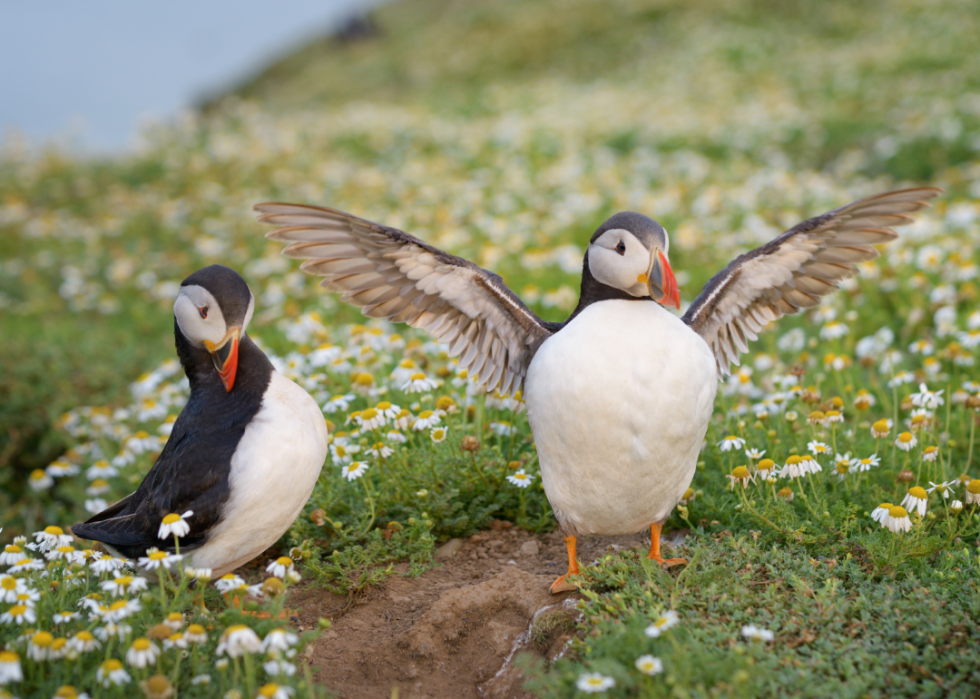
x=619 y=395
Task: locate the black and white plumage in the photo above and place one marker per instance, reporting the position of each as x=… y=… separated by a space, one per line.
x=619 y=395
x=244 y=452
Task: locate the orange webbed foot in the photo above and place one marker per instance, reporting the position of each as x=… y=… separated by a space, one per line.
x=563 y=584
x=668 y=562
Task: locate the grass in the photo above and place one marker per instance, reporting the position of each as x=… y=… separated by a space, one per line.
x=506 y=133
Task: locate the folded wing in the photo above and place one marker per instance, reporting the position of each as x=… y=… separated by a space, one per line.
x=795 y=269
x=391 y=274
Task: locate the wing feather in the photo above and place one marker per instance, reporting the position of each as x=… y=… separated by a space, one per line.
x=795 y=269
x=391 y=274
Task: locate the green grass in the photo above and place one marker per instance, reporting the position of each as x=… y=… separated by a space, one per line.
x=506 y=132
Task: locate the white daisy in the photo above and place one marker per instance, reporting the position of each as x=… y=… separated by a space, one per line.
x=371 y=418
x=279 y=639
x=10 y=587
x=753 y=454
x=731 y=442
x=754 y=633
x=106 y=564
x=156 y=558
x=419 y=383
x=10 y=670
x=84 y=642
x=649 y=665
x=354 y=470
x=274 y=691
x=898 y=520
x=229 y=582
x=142 y=652
x=280 y=567
x=668 y=619
x=238 y=640
x=111 y=672
x=274 y=668
x=945 y=489
x=396 y=437
x=343 y=453
x=380 y=450
x=926 y=398
x=11 y=554
x=121 y=584
x=389 y=410
x=593 y=682
x=916 y=500
x=52 y=537
x=426 y=419
x=65 y=617
x=438 y=434
x=816 y=447
x=339 y=403
x=520 y=478
x=19 y=614
x=175 y=525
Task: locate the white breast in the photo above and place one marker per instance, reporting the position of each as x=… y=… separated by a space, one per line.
x=619 y=402
x=273 y=472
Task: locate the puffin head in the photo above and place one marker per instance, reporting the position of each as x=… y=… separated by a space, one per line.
x=629 y=252
x=212 y=310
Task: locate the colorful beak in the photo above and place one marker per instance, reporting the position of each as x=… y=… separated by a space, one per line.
x=663 y=285
x=225 y=357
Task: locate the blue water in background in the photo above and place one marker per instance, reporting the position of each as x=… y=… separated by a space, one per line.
x=86 y=73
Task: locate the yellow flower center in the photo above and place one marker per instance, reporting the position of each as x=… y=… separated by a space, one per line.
x=731 y=438
x=880 y=426
x=11 y=548
x=18 y=610
x=8 y=656
x=353 y=466
x=171 y=518
x=369 y=414
x=84 y=636
x=116 y=606
x=897 y=512
x=918 y=492
x=973 y=487
x=793 y=460
x=195 y=629
x=384 y=405
x=930 y=450
x=817 y=415
x=445 y=402
x=142 y=434
x=832 y=413
x=111 y=665
x=284 y=561
x=158 y=555
x=42 y=639
x=418 y=377
x=54 y=531
x=364 y=379
x=521 y=476
x=439 y=433
x=843 y=467
x=425 y=414
x=9 y=583
x=905 y=437
x=59 y=643
x=123 y=580
x=268 y=690
x=688 y=494
x=766 y=465
x=141 y=644
x=740 y=472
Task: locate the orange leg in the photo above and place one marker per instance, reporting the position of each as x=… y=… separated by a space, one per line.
x=562 y=584
x=655 y=548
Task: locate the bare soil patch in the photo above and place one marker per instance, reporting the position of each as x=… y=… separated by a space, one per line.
x=455 y=630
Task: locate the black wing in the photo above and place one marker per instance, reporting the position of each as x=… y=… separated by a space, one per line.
x=391 y=274
x=795 y=269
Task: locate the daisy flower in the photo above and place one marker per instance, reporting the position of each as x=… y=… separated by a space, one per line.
x=142 y=652
x=816 y=418
x=740 y=475
x=816 y=447
x=944 y=488
x=593 y=682
x=111 y=672
x=279 y=639
x=174 y=621
x=754 y=633
x=65 y=617
x=916 y=500
x=200 y=574
x=10 y=587
x=731 y=442
x=280 y=567
x=403 y=420
x=121 y=584
x=274 y=691
x=39 y=645
x=668 y=619
x=228 y=582
x=10 y=671
x=765 y=468
x=427 y=419
x=156 y=558
x=84 y=642
x=201 y=679
x=279 y=667
x=973 y=492
x=11 y=554
x=396 y=437
x=25 y=564
x=832 y=416
x=174 y=525
x=196 y=634
x=19 y=614
x=113 y=630
x=52 y=537
x=39 y=480
x=866 y=463
x=175 y=640
x=906 y=441
x=238 y=640
x=795 y=467
x=354 y=470
x=371 y=418
x=438 y=435
x=930 y=453
x=108 y=564
x=338 y=403
x=419 y=383
x=898 y=520
x=380 y=450
x=520 y=479
x=753 y=454
x=956 y=506
x=881 y=429
x=926 y=398
x=649 y=665
x=342 y=453
x=502 y=428
x=864 y=400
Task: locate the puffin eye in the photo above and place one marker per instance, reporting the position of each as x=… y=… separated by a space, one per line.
x=621 y=247
x=203 y=310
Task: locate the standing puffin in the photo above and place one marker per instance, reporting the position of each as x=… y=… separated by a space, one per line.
x=245 y=452
x=620 y=394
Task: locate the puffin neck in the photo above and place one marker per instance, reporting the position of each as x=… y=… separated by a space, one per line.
x=254 y=368
x=593 y=291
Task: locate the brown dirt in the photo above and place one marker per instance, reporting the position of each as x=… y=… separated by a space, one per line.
x=453 y=631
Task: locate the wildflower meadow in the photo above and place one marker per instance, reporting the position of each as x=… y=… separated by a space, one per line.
x=833 y=525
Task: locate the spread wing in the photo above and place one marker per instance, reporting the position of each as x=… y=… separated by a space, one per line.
x=391 y=274
x=795 y=269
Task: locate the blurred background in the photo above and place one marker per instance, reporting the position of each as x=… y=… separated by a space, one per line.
x=137 y=137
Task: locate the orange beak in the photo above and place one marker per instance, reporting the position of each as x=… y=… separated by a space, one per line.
x=225 y=357
x=662 y=283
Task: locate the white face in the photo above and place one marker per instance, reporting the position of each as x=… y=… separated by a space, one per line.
x=200 y=318
x=619 y=260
